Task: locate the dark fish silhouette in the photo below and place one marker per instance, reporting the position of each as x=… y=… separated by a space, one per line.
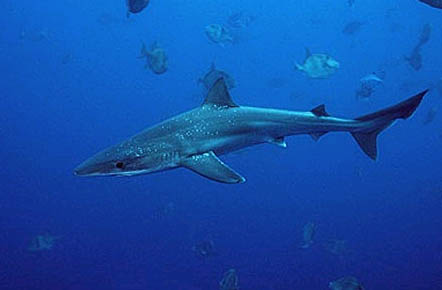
x=346 y=283
x=229 y=281
x=214 y=74
x=430 y=115
x=368 y=85
x=415 y=58
x=157 y=60
x=433 y=3
x=204 y=249
x=352 y=27
x=424 y=37
x=136 y=6
x=240 y=19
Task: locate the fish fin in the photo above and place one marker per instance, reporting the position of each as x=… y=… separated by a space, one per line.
x=318 y=135
x=308 y=53
x=154 y=45
x=212 y=66
x=299 y=67
x=367 y=142
x=383 y=119
x=320 y=111
x=219 y=95
x=279 y=142
x=143 y=51
x=210 y=166
x=306 y=245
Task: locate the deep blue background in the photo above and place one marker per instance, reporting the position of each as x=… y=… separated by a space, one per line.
x=81 y=88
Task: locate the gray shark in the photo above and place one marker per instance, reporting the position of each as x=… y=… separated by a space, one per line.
x=196 y=138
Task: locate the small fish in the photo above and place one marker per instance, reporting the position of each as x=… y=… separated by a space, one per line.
x=368 y=84
x=35 y=35
x=209 y=79
x=336 y=247
x=218 y=34
x=318 y=66
x=415 y=59
x=136 y=6
x=156 y=57
x=308 y=234
x=229 y=281
x=352 y=27
x=43 y=242
x=425 y=35
x=240 y=20
x=430 y=115
x=204 y=249
x=346 y=283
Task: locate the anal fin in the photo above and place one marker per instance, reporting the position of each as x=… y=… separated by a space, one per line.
x=210 y=166
x=318 y=135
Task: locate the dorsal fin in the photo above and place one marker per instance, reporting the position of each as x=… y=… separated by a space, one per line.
x=143 y=51
x=212 y=66
x=219 y=95
x=154 y=45
x=319 y=111
x=308 y=53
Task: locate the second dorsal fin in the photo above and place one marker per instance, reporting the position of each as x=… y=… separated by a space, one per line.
x=218 y=95
x=320 y=111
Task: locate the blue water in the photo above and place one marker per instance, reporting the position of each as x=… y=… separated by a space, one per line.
x=71 y=84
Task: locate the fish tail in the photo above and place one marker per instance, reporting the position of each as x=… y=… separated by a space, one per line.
x=380 y=120
x=307 y=245
x=299 y=67
x=143 y=51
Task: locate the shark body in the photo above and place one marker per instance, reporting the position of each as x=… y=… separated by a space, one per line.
x=196 y=138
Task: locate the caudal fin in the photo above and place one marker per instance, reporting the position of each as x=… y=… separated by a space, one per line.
x=382 y=119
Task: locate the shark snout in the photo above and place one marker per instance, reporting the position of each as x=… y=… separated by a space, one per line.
x=80 y=170
x=86 y=168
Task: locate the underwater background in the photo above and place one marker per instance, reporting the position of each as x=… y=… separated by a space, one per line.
x=72 y=84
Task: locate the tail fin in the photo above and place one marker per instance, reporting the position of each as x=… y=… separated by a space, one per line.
x=143 y=51
x=381 y=120
x=306 y=245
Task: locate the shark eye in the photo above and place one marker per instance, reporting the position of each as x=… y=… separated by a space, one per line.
x=119 y=164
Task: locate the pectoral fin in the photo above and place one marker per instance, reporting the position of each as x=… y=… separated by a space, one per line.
x=279 y=142
x=210 y=166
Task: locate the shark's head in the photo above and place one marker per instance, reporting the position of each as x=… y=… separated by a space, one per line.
x=127 y=159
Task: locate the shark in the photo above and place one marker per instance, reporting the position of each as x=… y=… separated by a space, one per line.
x=195 y=139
